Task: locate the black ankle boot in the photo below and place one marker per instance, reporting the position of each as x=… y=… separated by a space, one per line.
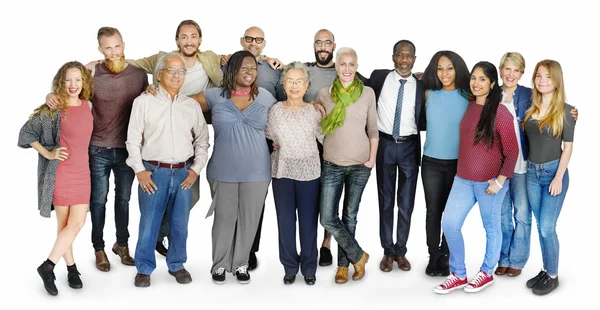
x=443 y=265
x=46 y=272
x=432 y=266
x=73 y=277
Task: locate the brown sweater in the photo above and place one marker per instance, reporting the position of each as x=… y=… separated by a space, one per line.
x=349 y=144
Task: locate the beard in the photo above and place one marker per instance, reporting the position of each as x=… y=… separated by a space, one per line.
x=192 y=54
x=116 y=66
x=323 y=62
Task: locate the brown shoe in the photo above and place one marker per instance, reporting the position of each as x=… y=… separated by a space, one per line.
x=123 y=252
x=387 y=263
x=341 y=275
x=500 y=271
x=142 y=280
x=402 y=262
x=359 y=267
x=102 y=262
x=513 y=272
x=182 y=276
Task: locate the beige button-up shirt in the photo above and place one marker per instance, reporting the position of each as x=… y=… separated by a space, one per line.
x=166 y=131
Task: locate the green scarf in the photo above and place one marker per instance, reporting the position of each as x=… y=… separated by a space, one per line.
x=342 y=97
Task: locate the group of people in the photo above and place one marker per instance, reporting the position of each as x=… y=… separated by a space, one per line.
x=314 y=130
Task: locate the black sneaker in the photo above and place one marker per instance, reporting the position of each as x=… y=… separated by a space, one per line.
x=443 y=265
x=218 y=276
x=545 y=285
x=533 y=281
x=252 y=261
x=242 y=274
x=325 y=258
x=432 y=266
x=73 y=277
x=48 y=279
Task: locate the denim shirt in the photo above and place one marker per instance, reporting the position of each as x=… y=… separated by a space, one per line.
x=522 y=102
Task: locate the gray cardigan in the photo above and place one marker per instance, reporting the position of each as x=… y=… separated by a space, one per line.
x=46 y=131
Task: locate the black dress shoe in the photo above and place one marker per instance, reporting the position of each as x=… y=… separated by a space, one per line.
x=443 y=265
x=48 y=279
x=289 y=279
x=73 y=277
x=310 y=280
x=325 y=258
x=161 y=249
x=252 y=261
x=432 y=267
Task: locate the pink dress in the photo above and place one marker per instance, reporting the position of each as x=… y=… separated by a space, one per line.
x=72 y=183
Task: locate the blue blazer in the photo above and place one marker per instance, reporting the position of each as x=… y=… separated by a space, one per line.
x=522 y=102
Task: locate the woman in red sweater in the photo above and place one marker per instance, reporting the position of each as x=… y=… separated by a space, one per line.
x=487 y=155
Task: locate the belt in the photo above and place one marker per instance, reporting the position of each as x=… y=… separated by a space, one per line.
x=169 y=165
x=401 y=139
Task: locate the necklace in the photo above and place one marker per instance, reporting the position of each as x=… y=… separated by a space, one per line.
x=242 y=93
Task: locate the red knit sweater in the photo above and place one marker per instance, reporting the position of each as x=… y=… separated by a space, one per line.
x=478 y=162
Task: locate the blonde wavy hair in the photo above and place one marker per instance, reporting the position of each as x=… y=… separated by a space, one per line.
x=59 y=88
x=555 y=115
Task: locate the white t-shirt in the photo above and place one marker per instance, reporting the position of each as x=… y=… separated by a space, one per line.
x=196 y=80
x=521 y=166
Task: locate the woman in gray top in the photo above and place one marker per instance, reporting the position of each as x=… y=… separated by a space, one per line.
x=550 y=128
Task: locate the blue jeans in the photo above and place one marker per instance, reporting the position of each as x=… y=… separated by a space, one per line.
x=333 y=179
x=463 y=196
x=176 y=201
x=515 y=237
x=546 y=209
x=102 y=161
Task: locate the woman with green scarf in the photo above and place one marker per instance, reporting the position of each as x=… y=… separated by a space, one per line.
x=348 y=156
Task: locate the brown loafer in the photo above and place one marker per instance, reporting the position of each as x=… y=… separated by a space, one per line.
x=500 y=271
x=359 y=267
x=182 y=276
x=403 y=263
x=513 y=272
x=142 y=280
x=102 y=262
x=123 y=252
x=341 y=275
x=387 y=263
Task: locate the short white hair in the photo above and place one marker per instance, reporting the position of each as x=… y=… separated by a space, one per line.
x=343 y=50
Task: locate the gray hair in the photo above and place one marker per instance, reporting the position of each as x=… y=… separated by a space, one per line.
x=162 y=62
x=296 y=65
x=344 y=50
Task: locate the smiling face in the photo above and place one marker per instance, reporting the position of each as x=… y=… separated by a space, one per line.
x=253 y=34
x=73 y=82
x=113 y=48
x=510 y=74
x=295 y=83
x=543 y=80
x=480 y=83
x=188 y=40
x=170 y=78
x=247 y=73
x=324 y=47
x=446 y=73
x=346 y=66
x=404 y=59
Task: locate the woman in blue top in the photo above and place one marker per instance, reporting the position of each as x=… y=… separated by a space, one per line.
x=239 y=170
x=446 y=83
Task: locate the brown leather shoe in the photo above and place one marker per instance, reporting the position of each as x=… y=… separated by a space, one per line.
x=142 y=280
x=500 y=271
x=102 y=262
x=341 y=275
x=387 y=263
x=513 y=272
x=182 y=276
x=402 y=262
x=123 y=252
x=359 y=267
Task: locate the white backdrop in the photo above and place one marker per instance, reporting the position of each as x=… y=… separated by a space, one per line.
x=38 y=37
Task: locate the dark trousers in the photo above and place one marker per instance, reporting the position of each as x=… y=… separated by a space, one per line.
x=293 y=196
x=437 y=176
x=396 y=161
x=103 y=160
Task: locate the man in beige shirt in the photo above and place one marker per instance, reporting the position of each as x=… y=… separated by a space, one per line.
x=167 y=142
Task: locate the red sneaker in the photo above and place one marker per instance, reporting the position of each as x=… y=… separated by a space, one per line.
x=452 y=283
x=481 y=281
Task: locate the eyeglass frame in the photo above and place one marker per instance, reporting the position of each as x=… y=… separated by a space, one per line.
x=324 y=43
x=249 y=39
x=172 y=71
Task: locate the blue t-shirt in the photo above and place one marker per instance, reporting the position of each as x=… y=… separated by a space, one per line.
x=240 y=152
x=444 y=111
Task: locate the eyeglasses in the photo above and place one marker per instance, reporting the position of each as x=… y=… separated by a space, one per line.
x=326 y=43
x=258 y=40
x=299 y=82
x=172 y=71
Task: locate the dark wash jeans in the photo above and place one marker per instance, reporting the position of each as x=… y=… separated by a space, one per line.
x=103 y=160
x=333 y=180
